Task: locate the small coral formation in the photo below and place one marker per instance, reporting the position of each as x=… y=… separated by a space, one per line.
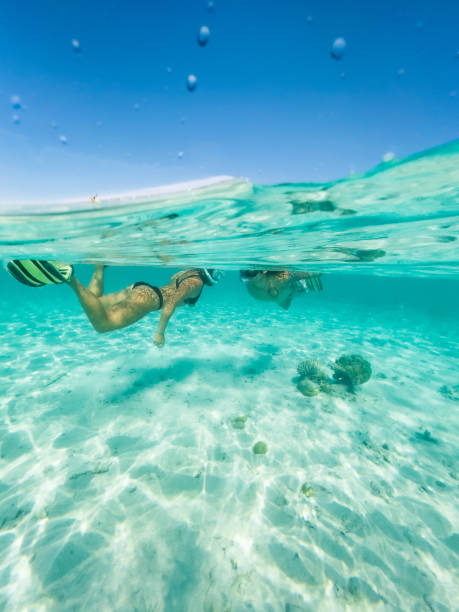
x=425 y=436
x=325 y=387
x=308 y=387
x=450 y=392
x=313 y=379
x=260 y=448
x=239 y=422
x=310 y=368
x=351 y=370
x=307 y=490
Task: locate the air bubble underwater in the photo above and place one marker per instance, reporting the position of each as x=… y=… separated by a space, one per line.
x=16 y=102
x=76 y=47
x=338 y=48
x=203 y=36
x=191 y=82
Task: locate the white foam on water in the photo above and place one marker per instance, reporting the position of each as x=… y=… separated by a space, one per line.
x=138 y=196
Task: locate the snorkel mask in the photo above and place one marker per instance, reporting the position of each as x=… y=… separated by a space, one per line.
x=212 y=276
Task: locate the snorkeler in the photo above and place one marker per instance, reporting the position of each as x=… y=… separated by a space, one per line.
x=279 y=286
x=125 y=307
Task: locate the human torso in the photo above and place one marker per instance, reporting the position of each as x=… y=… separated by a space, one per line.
x=191 y=281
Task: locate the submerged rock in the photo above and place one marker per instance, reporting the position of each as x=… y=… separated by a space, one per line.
x=307 y=490
x=308 y=387
x=351 y=370
x=239 y=422
x=260 y=448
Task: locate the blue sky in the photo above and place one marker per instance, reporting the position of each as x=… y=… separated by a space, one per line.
x=270 y=104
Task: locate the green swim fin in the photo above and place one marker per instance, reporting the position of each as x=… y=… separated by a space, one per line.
x=314 y=283
x=37 y=273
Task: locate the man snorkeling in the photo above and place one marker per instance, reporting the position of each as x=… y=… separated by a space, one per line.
x=125 y=307
x=279 y=286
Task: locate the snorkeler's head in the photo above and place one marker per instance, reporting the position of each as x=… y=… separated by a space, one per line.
x=267 y=288
x=212 y=276
x=246 y=275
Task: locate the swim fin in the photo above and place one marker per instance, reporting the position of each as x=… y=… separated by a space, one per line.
x=313 y=282
x=37 y=273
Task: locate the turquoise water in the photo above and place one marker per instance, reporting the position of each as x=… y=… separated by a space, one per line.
x=402 y=217
x=128 y=479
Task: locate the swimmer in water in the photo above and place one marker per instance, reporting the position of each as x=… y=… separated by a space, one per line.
x=123 y=308
x=279 y=286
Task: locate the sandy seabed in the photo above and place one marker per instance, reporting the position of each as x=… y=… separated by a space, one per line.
x=125 y=484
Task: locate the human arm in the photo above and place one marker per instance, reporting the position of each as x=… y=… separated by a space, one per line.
x=187 y=289
x=166 y=313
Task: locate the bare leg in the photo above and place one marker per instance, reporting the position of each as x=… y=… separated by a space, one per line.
x=137 y=303
x=96 y=286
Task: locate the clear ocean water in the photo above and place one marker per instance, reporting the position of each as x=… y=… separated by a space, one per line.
x=128 y=479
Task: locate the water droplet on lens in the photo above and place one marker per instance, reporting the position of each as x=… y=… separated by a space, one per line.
x=16 y=119
x=169 y=69
x=453 y=93
x=53 y=124
x=338 y=48
x=401 y=71
x=76 y=45
x=389 y=156
x=180 y=154
x=16 y=102
x=136 y=106
x=191 y=82
x=210 y=6
x=203 y=36
x=99 y=123
x=309 y=19
x=63 y=139
x=342 y=75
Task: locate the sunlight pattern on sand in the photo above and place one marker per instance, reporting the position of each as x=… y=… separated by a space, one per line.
x=125 y=483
